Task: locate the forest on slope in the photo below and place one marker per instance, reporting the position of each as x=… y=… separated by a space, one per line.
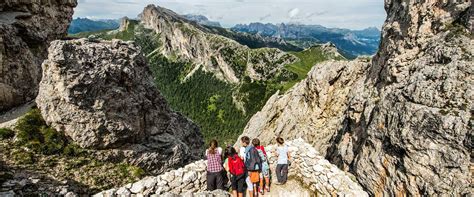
x=207 y=100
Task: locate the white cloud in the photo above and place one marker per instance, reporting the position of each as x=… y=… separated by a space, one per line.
x=293 y=12
x=355 y=14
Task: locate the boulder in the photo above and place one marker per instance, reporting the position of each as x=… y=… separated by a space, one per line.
x=102 y=96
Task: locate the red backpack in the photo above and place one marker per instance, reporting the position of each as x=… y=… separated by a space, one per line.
x=236 y=165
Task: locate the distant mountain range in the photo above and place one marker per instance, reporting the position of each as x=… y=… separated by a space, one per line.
x=287 y=37
x=87 y=25
x=351 y=43
x=203 y=20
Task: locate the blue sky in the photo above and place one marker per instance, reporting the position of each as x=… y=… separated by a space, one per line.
x=353 y=14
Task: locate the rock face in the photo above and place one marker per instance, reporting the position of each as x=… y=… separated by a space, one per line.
x=401 y=124
x=26 y=28
x=225 y=58
x=312 y=109
x=308 y=167
x=124 y=23
x=103 y=97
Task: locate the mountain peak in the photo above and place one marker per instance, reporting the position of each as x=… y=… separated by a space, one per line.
x=227 y=59
x=160 y=11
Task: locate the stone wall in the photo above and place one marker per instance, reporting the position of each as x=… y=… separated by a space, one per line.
x=315 y=172
x=308 y=166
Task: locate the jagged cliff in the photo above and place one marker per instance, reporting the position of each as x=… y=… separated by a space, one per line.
x=225 y=58
x=401 y=123
x=102 y=96
x=26 y=28
x=313 y=109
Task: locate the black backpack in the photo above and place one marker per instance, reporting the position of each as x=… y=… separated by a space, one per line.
x=253 y=162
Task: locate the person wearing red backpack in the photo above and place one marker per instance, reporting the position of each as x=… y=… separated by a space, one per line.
x=237 y=171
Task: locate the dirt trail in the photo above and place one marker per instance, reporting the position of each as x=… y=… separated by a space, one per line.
x=291 y=189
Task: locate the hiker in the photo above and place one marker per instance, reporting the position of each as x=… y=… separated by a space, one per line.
x=253 y=163
x=226 y=171
x=265 y=172
x=245 y=142
x=215 y=180
x=237 y=172
x=283 y=161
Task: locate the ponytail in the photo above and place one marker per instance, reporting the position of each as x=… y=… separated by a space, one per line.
x=213 y=146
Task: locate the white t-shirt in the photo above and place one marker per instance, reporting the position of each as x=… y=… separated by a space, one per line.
x=242 y=152
x=282 y=154
x=219 y=150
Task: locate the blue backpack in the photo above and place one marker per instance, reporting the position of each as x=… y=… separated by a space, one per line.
x=253 y=162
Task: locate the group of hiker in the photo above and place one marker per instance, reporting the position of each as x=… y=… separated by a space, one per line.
x=248 y=169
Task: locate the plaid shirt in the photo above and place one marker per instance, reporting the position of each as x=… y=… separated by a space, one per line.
x=214 y=162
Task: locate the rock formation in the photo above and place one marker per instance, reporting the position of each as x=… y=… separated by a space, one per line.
x=309 y=167
x=401 y=124
x=26 y=28
x=103 y=97
x=124 y=23
x=313 y=109
x=225 y=58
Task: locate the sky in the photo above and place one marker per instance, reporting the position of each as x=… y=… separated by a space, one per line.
x=352 y=14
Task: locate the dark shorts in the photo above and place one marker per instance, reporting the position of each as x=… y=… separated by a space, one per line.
x=238 y=183
x=215 y=180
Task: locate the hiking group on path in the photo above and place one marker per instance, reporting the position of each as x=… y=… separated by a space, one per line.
x=249 y=169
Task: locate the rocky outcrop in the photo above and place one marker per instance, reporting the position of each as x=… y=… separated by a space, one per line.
x=415 y=132
x=102 y=96
x=308 y=167
x=26 y=28
x=225 y=58
x=314 y=108
x=402 y=123
x=124 y=24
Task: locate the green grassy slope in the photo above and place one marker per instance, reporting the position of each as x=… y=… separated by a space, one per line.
x=34 y=148
x=308 y=58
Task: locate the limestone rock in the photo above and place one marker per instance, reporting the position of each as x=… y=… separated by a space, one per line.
x=225 y=58
x=414 y=136
x=103 y=97
x=312 y=109
x=26 y=28
x=401 y=124
x=124 y=23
